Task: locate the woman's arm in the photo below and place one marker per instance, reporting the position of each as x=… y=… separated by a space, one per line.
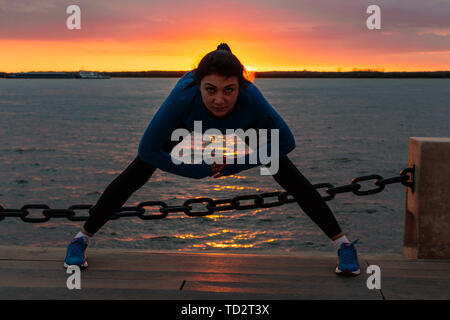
x=159 y=131
x=267 y=118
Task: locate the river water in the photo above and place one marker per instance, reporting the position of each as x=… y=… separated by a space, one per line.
x=63 y=141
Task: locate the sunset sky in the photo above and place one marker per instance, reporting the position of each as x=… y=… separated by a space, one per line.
x=134 y=35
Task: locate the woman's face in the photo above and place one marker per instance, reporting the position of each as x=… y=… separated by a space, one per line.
x=219 y=93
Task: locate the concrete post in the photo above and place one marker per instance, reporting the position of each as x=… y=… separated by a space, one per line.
x=427 y=215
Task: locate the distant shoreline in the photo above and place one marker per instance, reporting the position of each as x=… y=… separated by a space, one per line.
x=280 y=74
x=295 y=74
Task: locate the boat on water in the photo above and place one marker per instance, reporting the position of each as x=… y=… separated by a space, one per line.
x=92 y=75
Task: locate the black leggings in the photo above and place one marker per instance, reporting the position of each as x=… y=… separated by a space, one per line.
x=139 y=172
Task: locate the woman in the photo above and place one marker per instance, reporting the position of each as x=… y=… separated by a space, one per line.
x=218 y=94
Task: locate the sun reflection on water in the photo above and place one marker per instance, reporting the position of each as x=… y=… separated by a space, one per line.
x=221 y=188
x=242 y=239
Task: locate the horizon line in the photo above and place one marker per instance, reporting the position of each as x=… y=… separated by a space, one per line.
x=253 y=71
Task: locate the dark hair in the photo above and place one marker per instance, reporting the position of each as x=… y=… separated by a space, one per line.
x=222 y=62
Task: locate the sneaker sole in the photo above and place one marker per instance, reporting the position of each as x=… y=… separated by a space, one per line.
x=347 y=273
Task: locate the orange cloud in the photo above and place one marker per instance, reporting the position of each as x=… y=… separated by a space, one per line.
x=173 y=35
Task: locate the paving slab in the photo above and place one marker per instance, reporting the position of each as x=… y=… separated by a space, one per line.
x=38 y=273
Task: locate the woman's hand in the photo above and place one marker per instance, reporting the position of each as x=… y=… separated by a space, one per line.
x=216 y=169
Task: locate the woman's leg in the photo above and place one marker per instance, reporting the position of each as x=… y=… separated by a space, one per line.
x=119 y=190
x=117 y=193
x=290 y=178
x=309 y=199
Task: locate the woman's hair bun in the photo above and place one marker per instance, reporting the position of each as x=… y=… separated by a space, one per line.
x=224 y=46
x=221 y=62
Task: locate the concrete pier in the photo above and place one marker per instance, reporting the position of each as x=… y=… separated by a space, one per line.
x=427 y=214
x=38 y=273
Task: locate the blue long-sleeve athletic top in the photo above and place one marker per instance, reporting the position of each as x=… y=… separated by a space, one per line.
x=184 y=105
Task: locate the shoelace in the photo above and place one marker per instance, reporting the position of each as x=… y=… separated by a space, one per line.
x=78 y=247
x=348 y=254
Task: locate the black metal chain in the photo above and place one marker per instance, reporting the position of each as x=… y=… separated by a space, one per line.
x=406 y=178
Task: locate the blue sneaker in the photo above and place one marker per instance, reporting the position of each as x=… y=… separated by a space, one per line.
x=347 y=260
x=76 y=253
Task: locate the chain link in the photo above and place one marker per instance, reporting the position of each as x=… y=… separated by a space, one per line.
x=212 y=206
